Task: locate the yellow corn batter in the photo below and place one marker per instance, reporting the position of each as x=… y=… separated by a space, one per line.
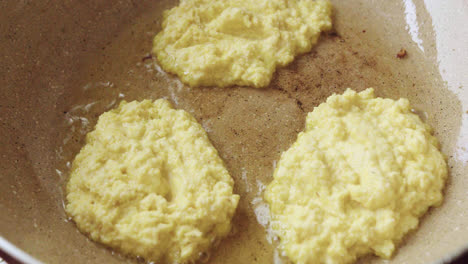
x=355 y=181
x=149 y=183
x=237 y=42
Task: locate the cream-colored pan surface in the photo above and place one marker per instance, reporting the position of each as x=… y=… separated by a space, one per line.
x=63 y=63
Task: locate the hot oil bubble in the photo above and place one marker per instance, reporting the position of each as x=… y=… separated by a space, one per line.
x=204 y=257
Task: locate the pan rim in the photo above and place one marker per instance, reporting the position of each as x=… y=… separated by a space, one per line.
x=15 y=253
x=10 y=250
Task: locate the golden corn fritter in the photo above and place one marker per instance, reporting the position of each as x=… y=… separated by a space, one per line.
x=355 y=181
x=148 y=182
x=237 y=42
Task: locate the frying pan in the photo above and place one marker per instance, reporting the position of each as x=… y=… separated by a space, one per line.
x=63 y=63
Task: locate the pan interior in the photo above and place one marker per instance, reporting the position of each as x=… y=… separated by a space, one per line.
x=66 y=62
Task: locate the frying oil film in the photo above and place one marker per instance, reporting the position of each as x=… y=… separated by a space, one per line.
x=149 y=183
x=237 y=42
x=357 y=180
